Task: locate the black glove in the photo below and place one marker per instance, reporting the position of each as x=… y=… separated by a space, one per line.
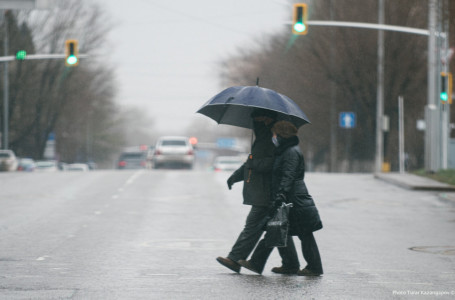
x=230 y=182
x=279 y=199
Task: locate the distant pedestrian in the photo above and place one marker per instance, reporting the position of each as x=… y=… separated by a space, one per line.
x=288 y=186
x=256 y=174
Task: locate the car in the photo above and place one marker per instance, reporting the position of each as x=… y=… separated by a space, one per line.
x=173 y=151
x=47 y=166
x=228 y=163
x=8 y=161
x=77 y=167
x=26 y=164
x=132 y=160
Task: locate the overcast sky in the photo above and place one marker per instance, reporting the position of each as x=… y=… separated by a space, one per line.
x=167 y=53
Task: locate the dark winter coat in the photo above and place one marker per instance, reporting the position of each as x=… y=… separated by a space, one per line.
x=256 y=172
x=288 y=179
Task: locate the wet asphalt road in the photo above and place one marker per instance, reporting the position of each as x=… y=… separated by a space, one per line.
x=156 y=234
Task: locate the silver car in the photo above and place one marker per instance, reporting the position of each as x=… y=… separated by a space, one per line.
x=173 y=151
x=8 y=160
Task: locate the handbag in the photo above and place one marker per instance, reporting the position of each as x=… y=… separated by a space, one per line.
x=277 y=227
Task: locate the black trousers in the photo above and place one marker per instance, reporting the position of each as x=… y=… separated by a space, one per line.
x=251 y=233
x=288 y=254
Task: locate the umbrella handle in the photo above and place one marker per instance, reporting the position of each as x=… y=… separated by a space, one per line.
x=249 y=176
x=249 y=170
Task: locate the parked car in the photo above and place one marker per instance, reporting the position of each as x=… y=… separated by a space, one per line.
x=132 y=160
x=228 y=163
x=78 y=167
x=173 y=151
x=8 y=160
x=47 y=166
x=26 y=165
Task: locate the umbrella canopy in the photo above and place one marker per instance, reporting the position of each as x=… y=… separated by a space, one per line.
x=234 y=106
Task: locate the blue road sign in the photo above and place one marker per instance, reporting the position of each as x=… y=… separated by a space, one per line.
x=225 y=142
x=347 y=119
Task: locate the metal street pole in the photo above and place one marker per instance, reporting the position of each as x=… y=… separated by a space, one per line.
x=431 y=110
x=445 y=114
x=333 y=112
x=401 y=153
x=380 y=92
x=5 y=141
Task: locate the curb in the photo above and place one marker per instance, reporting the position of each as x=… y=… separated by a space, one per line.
x=414 y=182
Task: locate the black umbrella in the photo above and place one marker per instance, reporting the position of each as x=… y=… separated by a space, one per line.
x=234 y=106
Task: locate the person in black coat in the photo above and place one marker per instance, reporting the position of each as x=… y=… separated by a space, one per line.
x=256 y=174
x=288 y=186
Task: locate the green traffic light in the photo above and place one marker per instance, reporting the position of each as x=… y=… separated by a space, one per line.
x=20 y=55
x=444 y=96
x=299 y=27
x=71 y=60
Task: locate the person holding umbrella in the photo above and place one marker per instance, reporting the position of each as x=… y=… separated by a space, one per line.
x=256 y=173
x=256 y=108
x=288 y=186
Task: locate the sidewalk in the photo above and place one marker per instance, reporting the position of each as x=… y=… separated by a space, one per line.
x=414 y=182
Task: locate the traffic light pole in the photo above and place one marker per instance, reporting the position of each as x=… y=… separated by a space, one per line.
x=39 y=56
x=432 y=111
x=5 y=141
x=5 y=59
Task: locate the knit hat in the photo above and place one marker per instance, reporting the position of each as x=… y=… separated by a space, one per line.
x=284 y=129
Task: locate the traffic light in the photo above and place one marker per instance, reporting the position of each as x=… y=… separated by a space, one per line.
x=446 y=88
x=71 y=53
x=21 y=54
x=299 y=18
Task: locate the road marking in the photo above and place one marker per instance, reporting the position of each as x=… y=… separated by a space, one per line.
x=160 y=274
x=387 y=270
x=129 y=181
x=185 y=244
x=133 y=177
x=400 y=282
x=42 y=258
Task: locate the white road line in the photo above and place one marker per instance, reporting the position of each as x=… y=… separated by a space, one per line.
x=129 y=181
x=161 y=275
x=133 y=177
x=400 y=282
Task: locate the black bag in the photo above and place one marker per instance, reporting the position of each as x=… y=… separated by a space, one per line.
x=277 y=227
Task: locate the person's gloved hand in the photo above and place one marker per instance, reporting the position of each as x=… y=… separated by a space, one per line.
x=279 y=199
x=230 y=182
